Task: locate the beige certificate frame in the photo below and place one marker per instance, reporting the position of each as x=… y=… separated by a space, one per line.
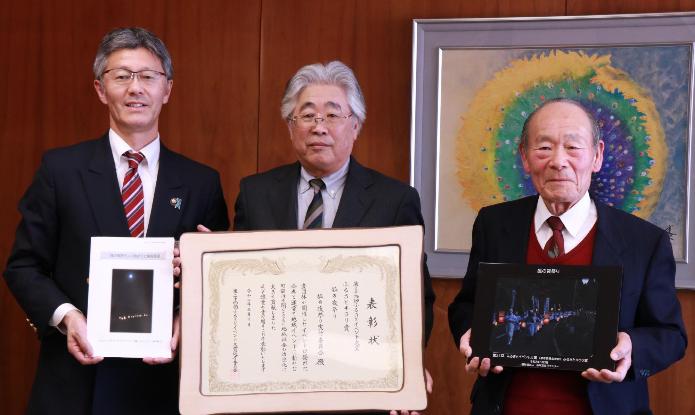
x=211 y=273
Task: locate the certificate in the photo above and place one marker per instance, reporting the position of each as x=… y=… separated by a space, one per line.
x=546 y=316
x=302 y=320
x=130 y=297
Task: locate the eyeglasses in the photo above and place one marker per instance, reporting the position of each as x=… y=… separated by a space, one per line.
x=122 y=76
x=310 y=119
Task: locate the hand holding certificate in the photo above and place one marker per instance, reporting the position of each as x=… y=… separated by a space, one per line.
x=131 y=297
x=302 y=320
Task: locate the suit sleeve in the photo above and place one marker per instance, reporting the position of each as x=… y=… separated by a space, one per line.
x=216 y=217
x=658 y=336
x=461 y=309
x=240 y=218
x=32 y=259
x=409 y=213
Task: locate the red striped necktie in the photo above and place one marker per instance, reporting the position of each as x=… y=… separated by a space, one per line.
x=132 y=195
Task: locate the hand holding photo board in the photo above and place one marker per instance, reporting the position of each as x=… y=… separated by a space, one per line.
x=546 y=316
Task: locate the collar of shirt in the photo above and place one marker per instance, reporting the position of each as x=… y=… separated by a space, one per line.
x=578 y=221
x=150 y=151
x=334 y=181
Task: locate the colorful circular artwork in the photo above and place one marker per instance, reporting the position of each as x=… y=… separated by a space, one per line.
x=488 y=160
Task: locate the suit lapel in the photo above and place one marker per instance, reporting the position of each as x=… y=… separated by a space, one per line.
x=355 y=199
x=516 y=231
x=609 y=244
x=101 y=186
x=283 y=197
x=170 y=198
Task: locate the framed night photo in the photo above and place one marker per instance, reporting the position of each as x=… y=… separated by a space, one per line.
x=549 y=317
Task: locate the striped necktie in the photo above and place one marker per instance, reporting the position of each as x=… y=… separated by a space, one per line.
x=314 y=214
x=132 y=195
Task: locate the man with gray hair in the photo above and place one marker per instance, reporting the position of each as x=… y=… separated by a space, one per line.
x=564 y=224
x=124 y=184
x=327 y=188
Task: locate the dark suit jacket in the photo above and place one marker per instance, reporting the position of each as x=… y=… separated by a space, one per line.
x=74 y=196
x=649 y=309
x=268 y=201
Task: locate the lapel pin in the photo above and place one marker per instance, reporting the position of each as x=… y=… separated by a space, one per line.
x=175 y=202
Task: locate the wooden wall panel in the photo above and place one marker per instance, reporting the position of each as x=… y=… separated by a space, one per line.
x=232 y=60
x=671 y=390
x=374 y=38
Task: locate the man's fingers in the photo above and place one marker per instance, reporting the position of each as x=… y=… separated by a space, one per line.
x=157 y=360
x=177 y=266
x=604 y=375
x=624 y=347
x=428 y=381
x=176 y=332
x=472 y=366
x=619 y=353
x=82 y=353
x=202 y=228
x=484 y=367
x=497 y=369
x=466 y=350
x=465 y=344
x=77 y=343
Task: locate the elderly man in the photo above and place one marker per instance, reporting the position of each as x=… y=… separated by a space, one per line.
x=125 y=183
x=560 y=149
x=327 y=188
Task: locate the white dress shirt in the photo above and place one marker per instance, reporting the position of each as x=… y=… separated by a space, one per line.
x=335 y=183
x=578 y=221
x=147 y=170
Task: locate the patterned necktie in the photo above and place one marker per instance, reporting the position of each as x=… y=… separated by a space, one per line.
x=314 y=214
x=132 y=195
x=555 y=247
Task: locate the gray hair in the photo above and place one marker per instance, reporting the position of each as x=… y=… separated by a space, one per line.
x=131 y=38
x=332 y=73
x=595 y=130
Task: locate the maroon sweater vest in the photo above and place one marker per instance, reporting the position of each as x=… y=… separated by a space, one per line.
x=538 y=391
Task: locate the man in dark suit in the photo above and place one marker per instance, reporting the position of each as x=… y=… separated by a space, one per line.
x=560 y=148
x=324 y=110
x=125 y=183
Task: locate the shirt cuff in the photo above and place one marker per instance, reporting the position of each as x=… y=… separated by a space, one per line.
x=58 y=315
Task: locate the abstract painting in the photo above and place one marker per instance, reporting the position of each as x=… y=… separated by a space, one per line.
x=639 y=96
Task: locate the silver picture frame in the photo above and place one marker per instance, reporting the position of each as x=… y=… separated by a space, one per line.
x=434 y=38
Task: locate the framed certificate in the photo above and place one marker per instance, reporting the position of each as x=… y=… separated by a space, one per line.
x=293 y=321
x=550 y=317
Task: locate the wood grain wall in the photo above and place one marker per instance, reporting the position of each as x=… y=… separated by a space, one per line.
x=232 y=59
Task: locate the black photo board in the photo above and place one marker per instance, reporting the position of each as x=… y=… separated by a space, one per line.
x=546 y=316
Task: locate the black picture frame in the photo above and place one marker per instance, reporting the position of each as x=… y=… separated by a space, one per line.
x=546 y=316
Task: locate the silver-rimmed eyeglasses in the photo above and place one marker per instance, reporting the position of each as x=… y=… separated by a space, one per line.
x=124 y=76
x=310 y=119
